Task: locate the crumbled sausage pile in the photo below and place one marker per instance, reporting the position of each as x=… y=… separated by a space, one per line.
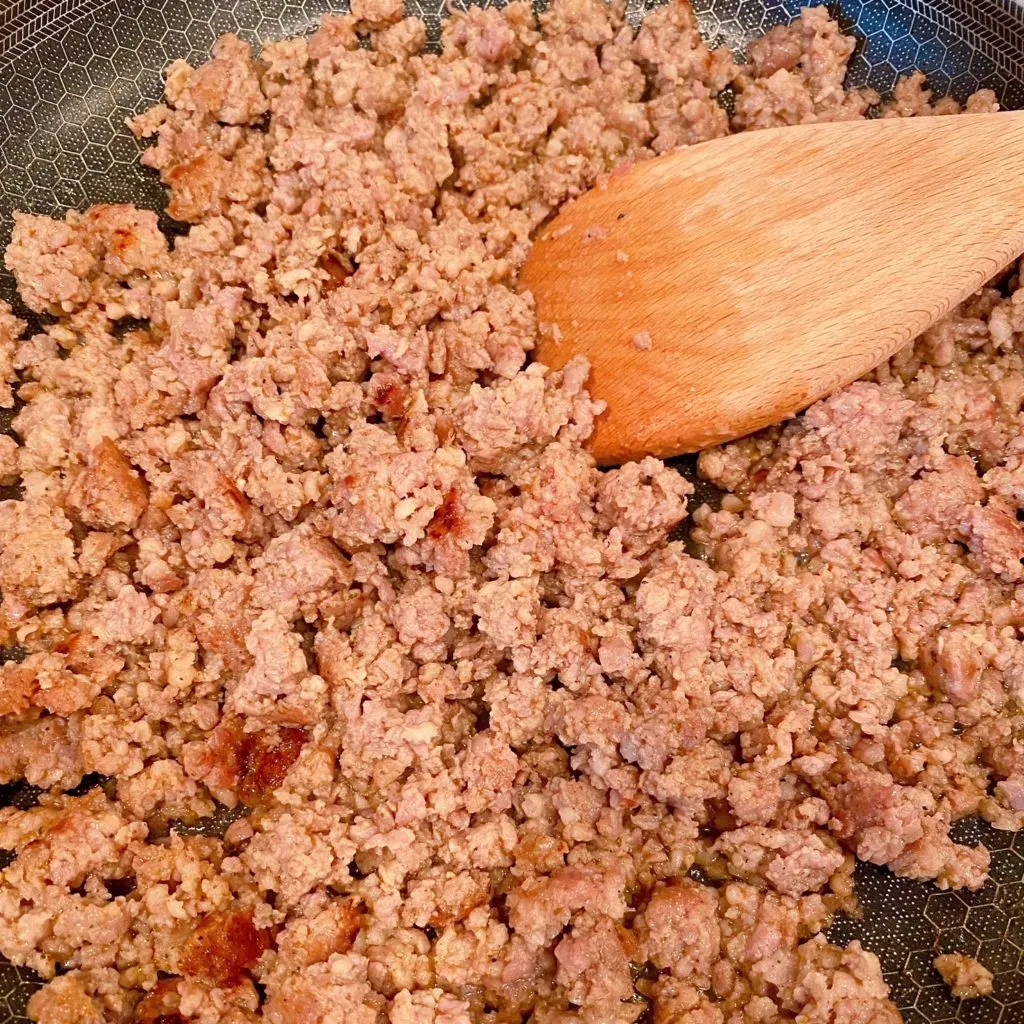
x=305 y=533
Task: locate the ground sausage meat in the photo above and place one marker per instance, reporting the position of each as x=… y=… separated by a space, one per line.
x=302 y=534
x=966 y=978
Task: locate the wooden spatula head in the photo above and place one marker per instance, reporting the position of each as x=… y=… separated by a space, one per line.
x=725 y=287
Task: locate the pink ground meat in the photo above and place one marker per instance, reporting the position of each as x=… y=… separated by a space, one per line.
x=316 y=541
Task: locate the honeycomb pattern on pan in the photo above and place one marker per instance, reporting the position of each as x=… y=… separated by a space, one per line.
x=72 y=70
x=909 y=923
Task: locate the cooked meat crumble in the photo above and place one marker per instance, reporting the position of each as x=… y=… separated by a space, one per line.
x=966 y=978
x=305 y=533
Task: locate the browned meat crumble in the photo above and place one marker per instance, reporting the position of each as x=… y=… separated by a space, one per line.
x=305 y=533
x=966 y=978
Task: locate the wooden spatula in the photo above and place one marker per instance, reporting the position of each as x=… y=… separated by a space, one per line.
x=729 y=285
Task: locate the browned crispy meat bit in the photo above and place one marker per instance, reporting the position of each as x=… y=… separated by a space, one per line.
x=223 y=947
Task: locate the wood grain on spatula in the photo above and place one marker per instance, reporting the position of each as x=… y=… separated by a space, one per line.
x=767 y=269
